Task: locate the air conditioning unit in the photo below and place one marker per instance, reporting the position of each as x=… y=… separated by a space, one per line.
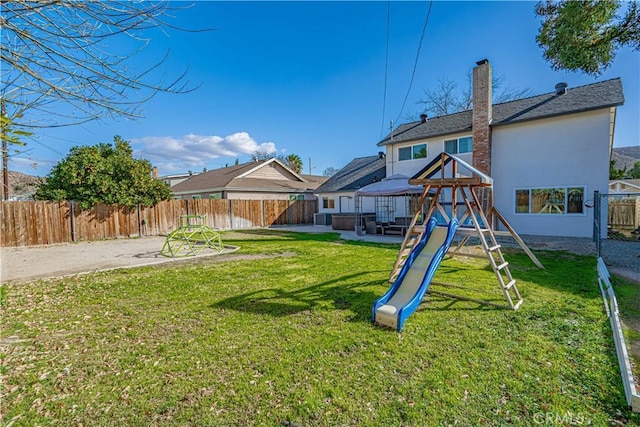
x=322 y=219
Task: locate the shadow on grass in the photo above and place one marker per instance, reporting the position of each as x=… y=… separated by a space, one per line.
x=564 y=272
x=332 y=294
x=270 y=235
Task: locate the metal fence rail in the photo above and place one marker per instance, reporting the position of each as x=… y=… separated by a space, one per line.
x=616 y=219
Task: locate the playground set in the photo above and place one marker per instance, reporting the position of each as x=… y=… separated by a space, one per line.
x=191 y=238
x=471 y=214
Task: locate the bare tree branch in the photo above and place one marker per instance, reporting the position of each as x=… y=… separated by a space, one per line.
x=58 y=59
x=446 y=99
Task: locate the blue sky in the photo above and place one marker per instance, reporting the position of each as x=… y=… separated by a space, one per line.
x=309 y=77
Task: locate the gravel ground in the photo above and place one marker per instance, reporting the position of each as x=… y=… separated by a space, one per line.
x=622 y=257
x=616 y=253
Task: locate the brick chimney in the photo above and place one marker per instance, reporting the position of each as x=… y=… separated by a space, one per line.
x=482 y=117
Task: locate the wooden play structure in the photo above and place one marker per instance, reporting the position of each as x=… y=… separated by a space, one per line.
x=470 y=200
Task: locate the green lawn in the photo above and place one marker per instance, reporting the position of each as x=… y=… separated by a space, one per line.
x=280 y=332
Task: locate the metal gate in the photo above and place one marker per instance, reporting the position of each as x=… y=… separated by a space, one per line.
x=616 y=224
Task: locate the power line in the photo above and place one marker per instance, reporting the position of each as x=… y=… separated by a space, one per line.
x=386 y=67
x=415 y=65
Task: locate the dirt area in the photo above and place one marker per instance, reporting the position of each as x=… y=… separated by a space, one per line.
x=29 y=263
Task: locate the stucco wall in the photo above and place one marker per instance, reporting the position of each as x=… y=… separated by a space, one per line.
x=559 y=152
x=567 y=151
x=344 y=202
x=435 y=146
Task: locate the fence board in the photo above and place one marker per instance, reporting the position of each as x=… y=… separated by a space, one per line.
x=39 y=223
x=246 y=213
x=624 y=213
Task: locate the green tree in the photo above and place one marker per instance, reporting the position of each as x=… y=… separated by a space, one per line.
x=103 y=174
x=294 y=162
x=584 y=35
x=615 y=173
x=635 y=172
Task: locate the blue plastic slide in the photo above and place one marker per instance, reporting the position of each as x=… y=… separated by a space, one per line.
x=406 y=293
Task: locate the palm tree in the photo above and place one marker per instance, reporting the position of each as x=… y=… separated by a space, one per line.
x=294 y=162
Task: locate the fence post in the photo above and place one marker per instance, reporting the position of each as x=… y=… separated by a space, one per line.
x=264 y=214
x=139 y=223
x=73 y=223
x=230 y=214
x=597 y=221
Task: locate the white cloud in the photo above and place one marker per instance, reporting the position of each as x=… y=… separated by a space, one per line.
x=192 y=152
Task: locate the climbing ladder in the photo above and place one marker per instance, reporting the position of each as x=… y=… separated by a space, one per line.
x=491 y=248
x=478 y=211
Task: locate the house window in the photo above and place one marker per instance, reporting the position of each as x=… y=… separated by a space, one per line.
x=459 y=145
x=418 y=151
x=328 y=203
x=196 y=197
x=215 y=196
x=296 y=196
x=550 y=201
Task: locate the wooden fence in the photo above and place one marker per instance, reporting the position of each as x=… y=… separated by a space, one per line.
x=624 y=214
x=42 y=223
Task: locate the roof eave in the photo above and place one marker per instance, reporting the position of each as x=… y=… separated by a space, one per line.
x=548 y=116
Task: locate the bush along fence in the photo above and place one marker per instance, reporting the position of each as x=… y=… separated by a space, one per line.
x=32 y=223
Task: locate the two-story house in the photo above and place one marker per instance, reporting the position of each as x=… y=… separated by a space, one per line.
x=547 y=154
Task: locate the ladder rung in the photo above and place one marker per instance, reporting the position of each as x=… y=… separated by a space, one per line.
x=418 y=229
x=501 y=266
x=493 y=248
x=518 y=304
x=510 y=284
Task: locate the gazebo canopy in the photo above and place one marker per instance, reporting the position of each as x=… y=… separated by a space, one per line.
x=394 y=185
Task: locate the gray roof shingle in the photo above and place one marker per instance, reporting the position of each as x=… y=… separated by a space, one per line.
x=357 y=173
x=579 y=99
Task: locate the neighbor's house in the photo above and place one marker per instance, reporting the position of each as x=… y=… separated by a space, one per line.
x=174 y=179
x=624 y=187
x=556 y=144
x=259 y=180
x=336 y=195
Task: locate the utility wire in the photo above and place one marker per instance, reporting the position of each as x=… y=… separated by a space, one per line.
x=415 y=65
x=386 y=68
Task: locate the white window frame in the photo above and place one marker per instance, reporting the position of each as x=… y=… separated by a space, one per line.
x=550 y=215
x=328 y=203
x=412 y=149
x=457 y=140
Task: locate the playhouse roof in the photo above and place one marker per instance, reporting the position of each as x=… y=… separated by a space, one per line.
x=394 y=185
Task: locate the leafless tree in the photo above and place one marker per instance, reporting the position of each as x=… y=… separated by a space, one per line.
x=447 y=99
x=60 y=64
x=68 y=62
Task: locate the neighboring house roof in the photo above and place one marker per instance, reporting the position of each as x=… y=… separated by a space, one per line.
x=579 y=99
x=247 y=177
x=315 y=178
x=357 y=173
x=625 y=185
